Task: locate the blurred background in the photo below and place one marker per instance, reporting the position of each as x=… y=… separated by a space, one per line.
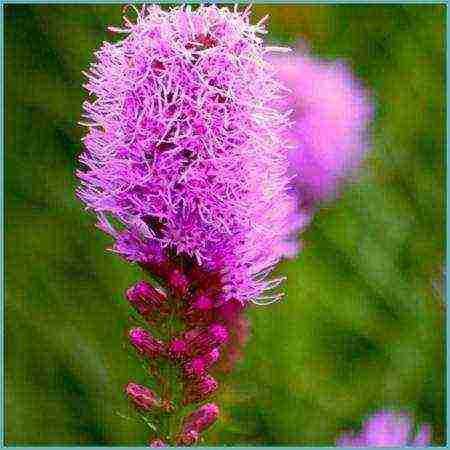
x=362 y=325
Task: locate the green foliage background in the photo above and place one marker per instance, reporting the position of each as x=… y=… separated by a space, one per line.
x=362 y=327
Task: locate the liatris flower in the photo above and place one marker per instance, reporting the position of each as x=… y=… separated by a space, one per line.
x=202 y=418
x=146 y=344
x=142 y=397
x=179 y=282
x=194 y=368
x=199 y=389
x=332 y=112
x=145 y=298
x=200 y=342
x=185 y=167
x=188 y=438
x=388 y=429
x=184 y=149
x=197 y=422
x=211 y=357
x=197 y=367
x=202 y=302
x=157 y=443
x=177 y=349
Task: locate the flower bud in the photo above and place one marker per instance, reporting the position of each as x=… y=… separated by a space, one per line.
x=199 y=388
x=142 y=397
x=230 y=311
x=210 y=281
x=145 y=343
x=145 y=298
x=177 y=349
x=197 y=366
x=157 y=443
x=200 y=310
x=194 y=368
x=202 y=302
x=188 y=438
x=192 y=334
x=202 y=418
x=167 y=406
x=179 y=282
x=200 y=342
x=211 y=357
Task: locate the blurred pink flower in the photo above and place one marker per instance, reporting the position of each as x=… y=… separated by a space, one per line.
x=331 y=114
x=388 y=429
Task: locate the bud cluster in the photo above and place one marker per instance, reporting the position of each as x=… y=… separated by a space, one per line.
x=192 y=300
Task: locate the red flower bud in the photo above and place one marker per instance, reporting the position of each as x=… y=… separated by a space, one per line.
x=146 y=344
x=199 y=389
x=142 y=397
x=202 y=418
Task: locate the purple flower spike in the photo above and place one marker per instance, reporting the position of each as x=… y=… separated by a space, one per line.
x=387 y=429
x=186 y=152
x=332 y=112
x=145 y=343
x=142 y=397
x=145 y=298
x=202 y=418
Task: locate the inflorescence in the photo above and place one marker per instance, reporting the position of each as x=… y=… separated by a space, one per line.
x=185 y=167
x=182 y=362
x=184 y=149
